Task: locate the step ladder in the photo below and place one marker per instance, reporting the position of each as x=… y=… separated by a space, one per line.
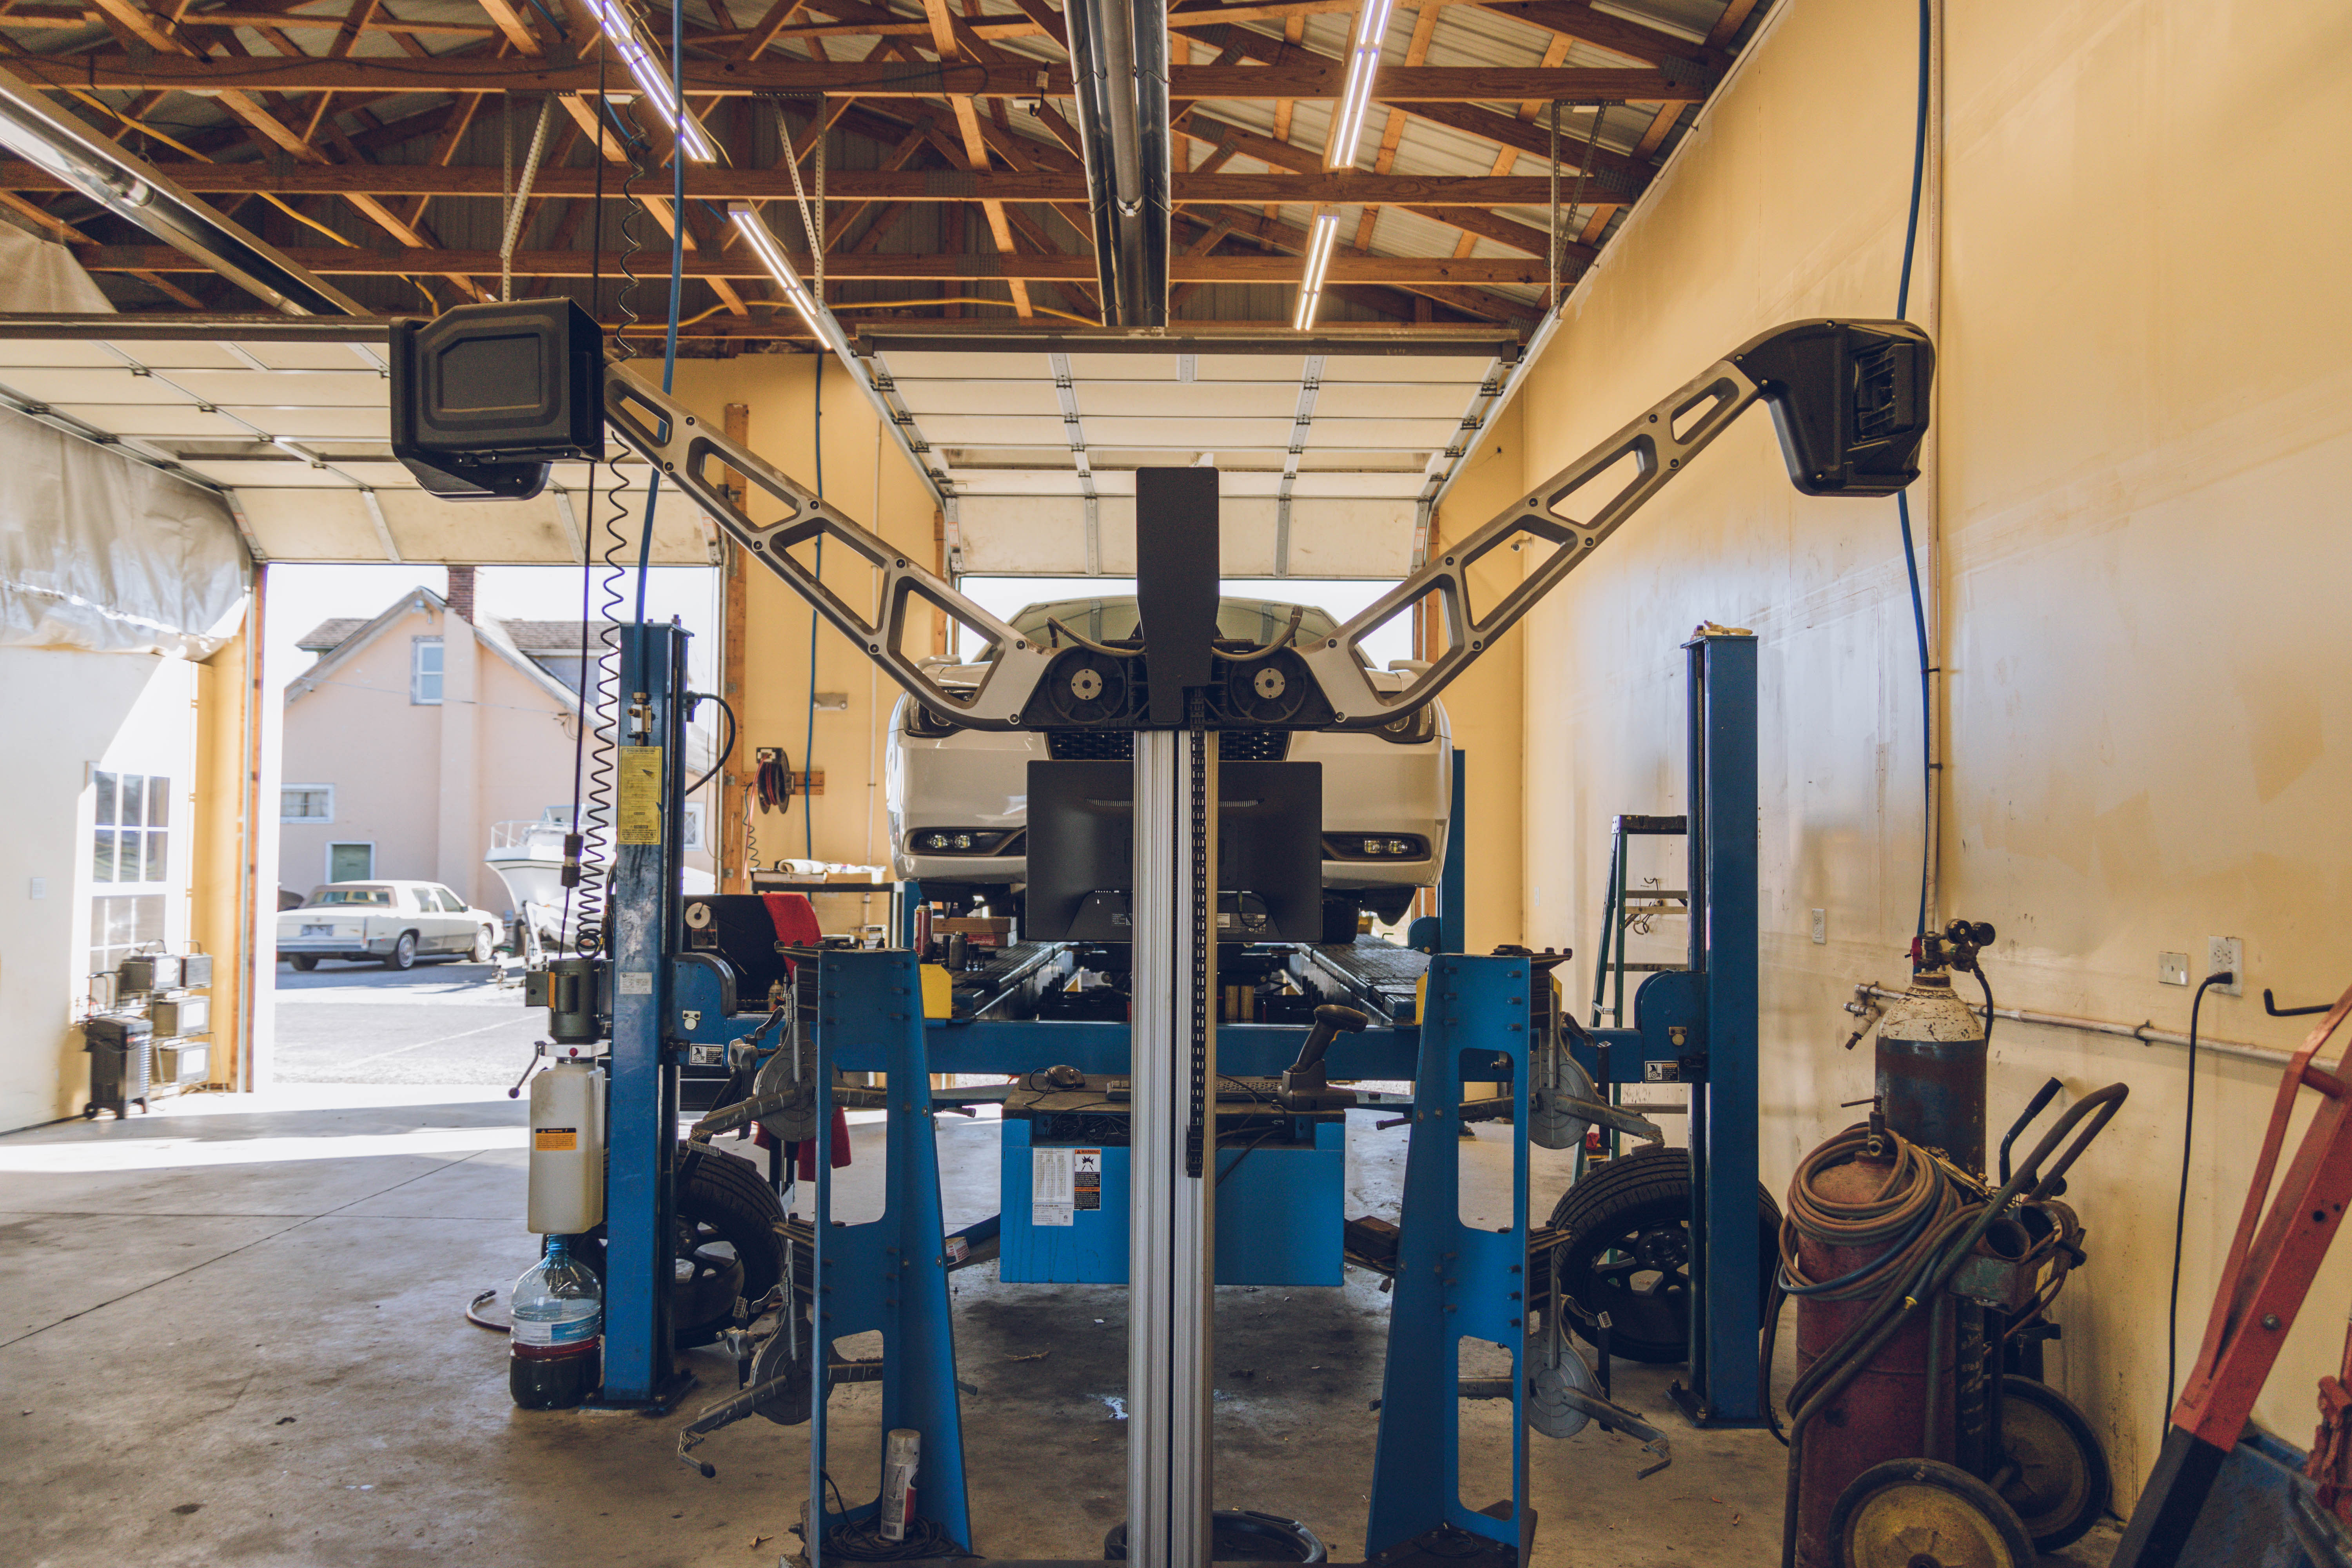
x=1631 y=910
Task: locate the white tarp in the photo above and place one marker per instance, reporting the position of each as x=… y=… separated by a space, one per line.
x=97 y=552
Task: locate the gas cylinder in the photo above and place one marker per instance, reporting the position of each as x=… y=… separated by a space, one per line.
x=1931 y=1071
x=1882 y=1413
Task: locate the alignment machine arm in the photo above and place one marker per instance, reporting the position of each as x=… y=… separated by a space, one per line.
x=486 y=395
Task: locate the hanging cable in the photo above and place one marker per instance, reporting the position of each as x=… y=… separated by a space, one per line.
x=693 y=700
x=2181 y=1204
x=1902 y=498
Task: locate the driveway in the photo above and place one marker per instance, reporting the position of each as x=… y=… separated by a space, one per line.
x=438 y=1023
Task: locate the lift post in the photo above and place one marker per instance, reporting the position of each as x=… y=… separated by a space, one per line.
x=640 y=920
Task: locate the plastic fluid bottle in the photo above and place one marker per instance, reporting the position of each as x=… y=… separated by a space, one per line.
x=555 y=1353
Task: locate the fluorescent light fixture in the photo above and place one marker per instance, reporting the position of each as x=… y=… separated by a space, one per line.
x=1318 y=257
x=771 y=257
x=645 y=67
x=1356 y=97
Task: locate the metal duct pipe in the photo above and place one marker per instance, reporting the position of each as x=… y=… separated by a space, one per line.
x=133 y=189
x=1119 y=51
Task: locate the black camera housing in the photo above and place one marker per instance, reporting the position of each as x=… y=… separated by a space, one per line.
x=484 y=397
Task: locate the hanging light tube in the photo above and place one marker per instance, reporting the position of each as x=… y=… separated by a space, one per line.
x=621 y=30
x=780 y=267
x=1318 y=258
x=1356 y=97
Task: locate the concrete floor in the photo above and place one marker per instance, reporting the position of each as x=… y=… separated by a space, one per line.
x=234 y=1335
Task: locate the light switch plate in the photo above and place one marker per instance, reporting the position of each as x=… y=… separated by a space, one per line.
x=2172 y=968
x=1821 y=926
x=2227 y=952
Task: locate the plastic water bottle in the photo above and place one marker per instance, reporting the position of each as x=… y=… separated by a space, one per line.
x=555 y=1353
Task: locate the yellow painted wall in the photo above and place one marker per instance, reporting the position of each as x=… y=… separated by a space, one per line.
x=865 y=475
x=1485 y=705
x=2147 y=437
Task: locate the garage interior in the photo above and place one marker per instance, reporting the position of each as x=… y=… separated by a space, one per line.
x=1331 y=1140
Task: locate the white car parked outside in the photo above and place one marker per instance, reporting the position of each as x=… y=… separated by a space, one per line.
x=396 y=923
x=958 y=799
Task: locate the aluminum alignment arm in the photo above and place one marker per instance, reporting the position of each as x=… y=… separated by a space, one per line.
x=690 y=454
x=1849 y=399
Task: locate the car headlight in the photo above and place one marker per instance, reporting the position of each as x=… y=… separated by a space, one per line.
x=965 y=841
x=929 y=724
x=1416 y=727
x=1374 y=846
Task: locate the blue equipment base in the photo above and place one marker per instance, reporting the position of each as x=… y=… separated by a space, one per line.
x=664 y=1398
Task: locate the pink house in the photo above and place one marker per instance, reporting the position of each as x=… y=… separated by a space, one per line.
x=420 y=730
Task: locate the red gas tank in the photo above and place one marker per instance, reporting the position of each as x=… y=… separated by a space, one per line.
x=1880 y=1415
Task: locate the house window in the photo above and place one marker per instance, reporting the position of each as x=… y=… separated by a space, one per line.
x=130 y=848
x=130 y=837
x=425 y=670
x=693 y=831
x=307 y=803
x=350 y=862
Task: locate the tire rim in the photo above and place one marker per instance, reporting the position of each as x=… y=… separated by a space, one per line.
x=1641 y=1275
x=1918 y=1525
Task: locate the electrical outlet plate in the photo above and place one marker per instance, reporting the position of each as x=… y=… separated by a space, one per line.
x=2172 y=968
x=2227 y=952
x=1821 y=926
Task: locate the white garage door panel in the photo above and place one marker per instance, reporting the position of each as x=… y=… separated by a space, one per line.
x=1250 y=367
x=1389 y=400
x=118 y=385
x=915 y=364
x=1007 y=535
x=311 y=524
x=1195 y=400
x=1383 y=435
x=1122 y=367
x=1406 y=367
x=529 y=533
x=320 y=424
x=55 y=354
x=353 y=388
x=182 y=420
x=975 y=484
x=317 y=356
x=1402 y=486
x=1013 y=536
x=1187 y=434
x=1032 y=396
x=260 y=473
x=982 y=430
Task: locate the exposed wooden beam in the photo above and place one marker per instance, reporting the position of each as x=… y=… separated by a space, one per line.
x=1344 y=187
x=1345 y=268
x=74 y=19
x=1313 y=78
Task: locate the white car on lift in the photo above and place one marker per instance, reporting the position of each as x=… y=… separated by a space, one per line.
x=395 y=923
x=958 y=798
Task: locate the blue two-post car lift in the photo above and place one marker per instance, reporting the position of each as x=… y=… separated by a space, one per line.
x=1849 y=400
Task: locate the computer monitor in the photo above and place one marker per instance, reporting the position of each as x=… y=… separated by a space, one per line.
x=1081 y=852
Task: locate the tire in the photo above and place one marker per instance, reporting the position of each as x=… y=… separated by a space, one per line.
x=1624 y=1248
x=727 y=1245
x=2061 y=1486
x=1905 y=1513
x=304 y=961
x=404 y=952
x=486 y=942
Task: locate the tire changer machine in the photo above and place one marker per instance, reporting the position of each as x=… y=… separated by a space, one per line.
x=484 y=397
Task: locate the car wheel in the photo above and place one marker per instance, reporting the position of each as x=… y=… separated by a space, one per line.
x=304 y=961
x=404 y=952
x=726 y=1244
x=1623 y=1249
x=485 y=941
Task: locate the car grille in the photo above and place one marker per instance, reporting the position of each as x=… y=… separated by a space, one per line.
x=1119 y=745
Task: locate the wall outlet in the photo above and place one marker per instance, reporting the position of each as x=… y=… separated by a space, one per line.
x=2227 y=952
x=2172 y=969
x=1821 y=926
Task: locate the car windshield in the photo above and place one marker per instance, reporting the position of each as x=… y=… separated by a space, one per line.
x=321 y=897
x=1112 y=620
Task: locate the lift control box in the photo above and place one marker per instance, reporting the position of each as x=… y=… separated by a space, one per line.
x=1281 y=1175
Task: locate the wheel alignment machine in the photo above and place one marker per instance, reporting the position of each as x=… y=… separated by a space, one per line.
x=1850 y=402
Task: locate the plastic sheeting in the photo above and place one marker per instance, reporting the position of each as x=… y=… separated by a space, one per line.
x=104 y=554
x=99 y=553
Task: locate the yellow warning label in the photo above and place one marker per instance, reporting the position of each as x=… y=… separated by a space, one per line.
x=555 y=1140
x=637 y=817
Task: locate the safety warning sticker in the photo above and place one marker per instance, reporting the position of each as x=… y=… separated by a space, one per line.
x=1050 y=1185
x=1086 y=1178
x=637 y=817
x=555 y=1140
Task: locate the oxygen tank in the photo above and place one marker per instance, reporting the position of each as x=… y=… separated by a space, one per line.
x=1931 y=1053
x=567 y=1149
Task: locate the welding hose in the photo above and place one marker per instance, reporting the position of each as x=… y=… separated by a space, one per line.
x=1949 y=1246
